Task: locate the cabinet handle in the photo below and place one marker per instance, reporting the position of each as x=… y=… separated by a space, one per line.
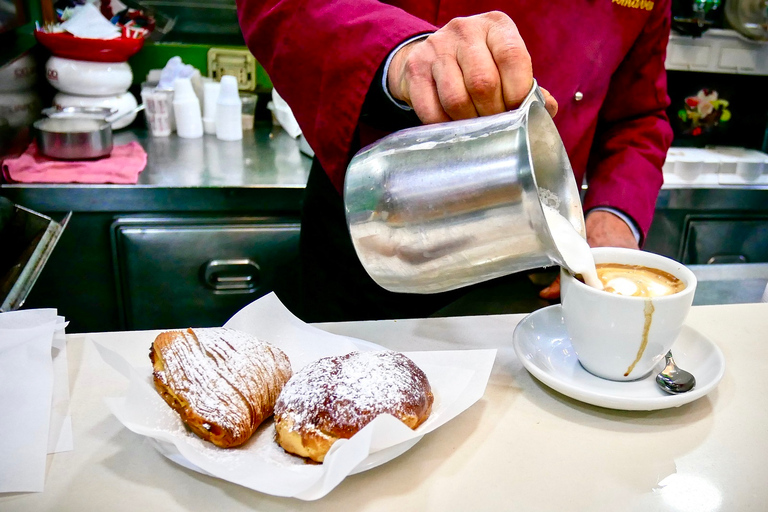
x=231 y=276
x=720 y=259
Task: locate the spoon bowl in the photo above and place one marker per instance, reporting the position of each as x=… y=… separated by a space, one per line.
x=674 y=380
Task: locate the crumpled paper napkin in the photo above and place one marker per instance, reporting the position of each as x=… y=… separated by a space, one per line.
x=86 y=21
x=34 y=396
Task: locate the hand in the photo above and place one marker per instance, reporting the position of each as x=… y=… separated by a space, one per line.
x=474 y=66
x=604 y=229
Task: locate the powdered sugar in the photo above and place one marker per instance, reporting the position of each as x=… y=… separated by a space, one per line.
x=227 y=377
x=343 y=394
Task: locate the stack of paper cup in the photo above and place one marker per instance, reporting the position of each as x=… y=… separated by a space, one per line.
x=229 y=124
x=186 y=110
x=210 y=97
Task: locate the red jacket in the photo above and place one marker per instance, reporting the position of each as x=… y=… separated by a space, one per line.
x=322 y=56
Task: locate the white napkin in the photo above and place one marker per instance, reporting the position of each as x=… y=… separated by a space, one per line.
x=35 y=419
x=284 y=114
x=458 y=380
x=87 y=21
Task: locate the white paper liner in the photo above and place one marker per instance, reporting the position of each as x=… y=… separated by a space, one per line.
x=458 y=380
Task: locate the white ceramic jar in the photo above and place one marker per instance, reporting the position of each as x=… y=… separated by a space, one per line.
x=20 y=108
x=19 y=74
x=88 y=78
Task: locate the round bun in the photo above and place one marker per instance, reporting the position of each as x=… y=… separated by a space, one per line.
x=334 y=397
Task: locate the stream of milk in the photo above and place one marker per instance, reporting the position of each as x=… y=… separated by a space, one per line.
x=573 y=248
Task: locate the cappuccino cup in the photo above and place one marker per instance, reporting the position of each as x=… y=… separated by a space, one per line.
x=622 y=332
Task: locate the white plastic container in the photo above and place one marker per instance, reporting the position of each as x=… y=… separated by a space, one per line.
x=158 y=110
x=740 y=165
x=210 y=97
x=186 y=110
x=229 y=124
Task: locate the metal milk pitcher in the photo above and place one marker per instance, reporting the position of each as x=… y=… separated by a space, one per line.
x=442 y=206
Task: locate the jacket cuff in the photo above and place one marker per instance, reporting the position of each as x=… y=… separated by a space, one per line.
x=385 y=71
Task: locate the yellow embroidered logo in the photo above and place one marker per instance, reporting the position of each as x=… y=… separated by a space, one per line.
x=635 y=4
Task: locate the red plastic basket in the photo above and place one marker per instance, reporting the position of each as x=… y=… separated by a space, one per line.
x=64 y=44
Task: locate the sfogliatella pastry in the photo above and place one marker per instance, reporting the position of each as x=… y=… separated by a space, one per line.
x=222 y=382
x=334 y=397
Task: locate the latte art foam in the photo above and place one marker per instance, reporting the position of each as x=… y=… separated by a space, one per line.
x=637 y=280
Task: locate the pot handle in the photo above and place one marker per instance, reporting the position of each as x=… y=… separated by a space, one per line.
x=111 y=119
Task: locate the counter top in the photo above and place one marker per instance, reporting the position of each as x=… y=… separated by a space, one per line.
x=207 y=174
x=732 y=283
x=266 y=157
x=203 y=174
x=522 y=446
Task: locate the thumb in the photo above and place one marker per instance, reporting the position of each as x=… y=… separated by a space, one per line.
x=550 y=102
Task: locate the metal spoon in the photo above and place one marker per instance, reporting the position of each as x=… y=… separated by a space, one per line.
x=674 y=380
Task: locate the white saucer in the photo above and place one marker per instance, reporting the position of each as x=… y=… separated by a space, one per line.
x=542 y=344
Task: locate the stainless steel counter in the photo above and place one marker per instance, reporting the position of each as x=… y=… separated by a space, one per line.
x=721 y=224
x=184 y=175
x=241 y=199
x=264 y=176
x=266 y=157
x=730 y=284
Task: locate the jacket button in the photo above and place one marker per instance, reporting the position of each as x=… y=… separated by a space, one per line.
x=578 y=96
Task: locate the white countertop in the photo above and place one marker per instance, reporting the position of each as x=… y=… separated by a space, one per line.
x=522 y=447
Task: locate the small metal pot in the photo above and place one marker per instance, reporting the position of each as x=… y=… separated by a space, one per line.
x=74 y=138
x=77 y=133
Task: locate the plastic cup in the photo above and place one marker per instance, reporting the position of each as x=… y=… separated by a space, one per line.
x=249 y=110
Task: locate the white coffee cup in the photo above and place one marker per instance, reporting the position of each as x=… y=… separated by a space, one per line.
x=621 y=337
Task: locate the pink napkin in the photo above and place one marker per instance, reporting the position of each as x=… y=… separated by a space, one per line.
x=122 y=166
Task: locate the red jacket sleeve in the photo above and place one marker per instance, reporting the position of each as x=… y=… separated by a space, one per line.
x=321 y=56
x=633 y=133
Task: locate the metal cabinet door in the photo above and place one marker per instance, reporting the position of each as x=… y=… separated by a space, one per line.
x=726 y=239
x=195 y=272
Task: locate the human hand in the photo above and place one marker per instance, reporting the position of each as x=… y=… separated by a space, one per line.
x=473 y=66
x=604 y=229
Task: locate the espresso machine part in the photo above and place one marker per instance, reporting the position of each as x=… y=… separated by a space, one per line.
x=694 y=17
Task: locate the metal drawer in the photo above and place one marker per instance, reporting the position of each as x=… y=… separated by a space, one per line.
x=178 y=272
x=725 y=239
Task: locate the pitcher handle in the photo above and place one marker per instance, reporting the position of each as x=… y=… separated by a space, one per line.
x=534 y=94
